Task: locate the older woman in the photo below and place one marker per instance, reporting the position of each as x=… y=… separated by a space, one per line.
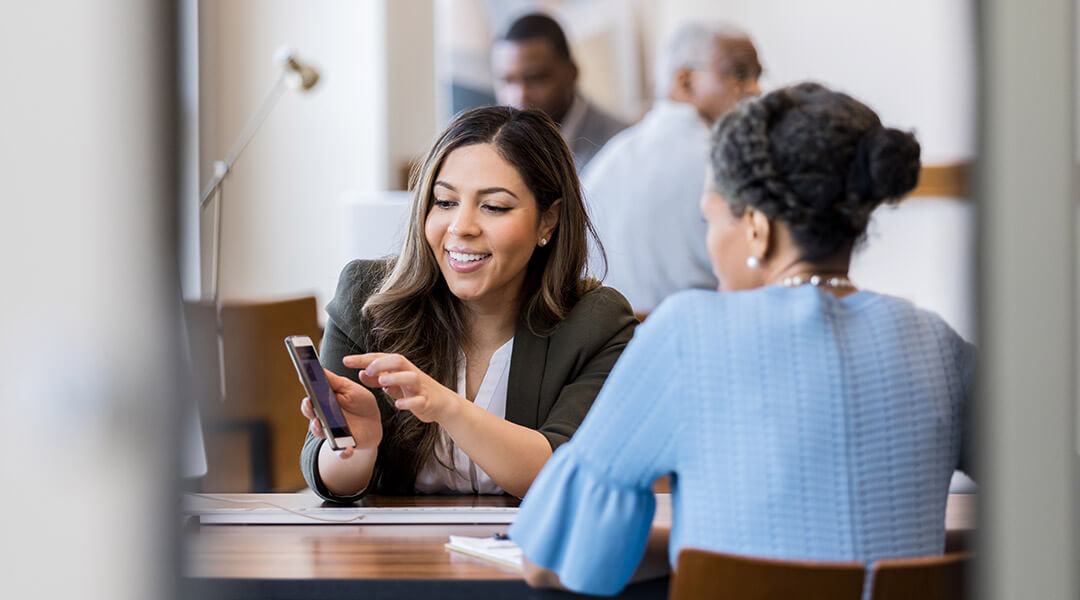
x=798 y=416
x=482 y=346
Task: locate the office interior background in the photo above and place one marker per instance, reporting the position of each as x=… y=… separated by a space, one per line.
x=115 y=112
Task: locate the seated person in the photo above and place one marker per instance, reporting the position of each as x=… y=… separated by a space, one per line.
x=482 y=346
x=643 y=188
x=797 y=416
x=533 y=68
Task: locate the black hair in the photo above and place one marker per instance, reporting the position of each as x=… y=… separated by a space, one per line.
x=817 y=160
x=537 y=26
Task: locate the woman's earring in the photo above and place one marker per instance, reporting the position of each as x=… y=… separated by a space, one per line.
x=543 y=241
x=752 y=262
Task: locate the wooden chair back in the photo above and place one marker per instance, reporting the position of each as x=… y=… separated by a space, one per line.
x=253 y=437
x=927 y=578
x=700 y=574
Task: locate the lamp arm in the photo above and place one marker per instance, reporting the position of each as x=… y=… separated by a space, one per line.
x=213 y=189
x=221 y=168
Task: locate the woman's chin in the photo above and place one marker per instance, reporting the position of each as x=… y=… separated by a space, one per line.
x=465 y=293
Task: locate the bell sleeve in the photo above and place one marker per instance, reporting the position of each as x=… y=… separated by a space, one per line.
x=588 y=514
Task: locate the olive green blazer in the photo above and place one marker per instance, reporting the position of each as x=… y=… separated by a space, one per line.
x=552 y=383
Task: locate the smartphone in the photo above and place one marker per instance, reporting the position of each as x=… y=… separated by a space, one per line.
x=318 y=390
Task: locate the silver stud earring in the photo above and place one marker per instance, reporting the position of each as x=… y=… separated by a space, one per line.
x=752 y=262
x=543 y=241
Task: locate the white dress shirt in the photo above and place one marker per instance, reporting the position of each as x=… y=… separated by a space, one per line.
x=466 y=477
x=643 y=191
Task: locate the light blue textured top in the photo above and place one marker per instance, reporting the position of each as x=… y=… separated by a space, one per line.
x=794 y=424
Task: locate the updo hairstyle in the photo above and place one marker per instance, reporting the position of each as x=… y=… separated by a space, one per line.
x=817 y=160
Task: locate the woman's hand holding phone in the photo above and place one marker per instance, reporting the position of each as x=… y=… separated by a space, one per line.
x=361 y=411
x=411 y=388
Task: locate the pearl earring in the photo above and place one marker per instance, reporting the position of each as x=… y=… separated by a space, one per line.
x=543 y=241
x=752 y=262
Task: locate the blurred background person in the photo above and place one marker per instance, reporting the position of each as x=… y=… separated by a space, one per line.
x=533 y=68
x=643 y=188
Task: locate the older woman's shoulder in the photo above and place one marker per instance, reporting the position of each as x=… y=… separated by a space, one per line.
x=682 y=306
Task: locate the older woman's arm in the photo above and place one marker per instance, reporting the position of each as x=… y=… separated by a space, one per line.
x=653 y=565
x=589 y=515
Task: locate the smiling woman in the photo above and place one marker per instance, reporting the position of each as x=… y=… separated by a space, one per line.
x=470 y=357
x=483 y=235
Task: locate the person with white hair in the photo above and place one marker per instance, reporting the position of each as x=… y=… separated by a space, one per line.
x=643 y=187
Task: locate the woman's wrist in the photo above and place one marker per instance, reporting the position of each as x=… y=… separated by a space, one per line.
x=345 y=476
x=454 y=411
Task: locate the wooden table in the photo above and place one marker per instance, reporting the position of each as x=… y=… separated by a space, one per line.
x=380 y=561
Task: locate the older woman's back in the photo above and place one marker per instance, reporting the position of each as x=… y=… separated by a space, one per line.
x=832 y=425
x=796 y=424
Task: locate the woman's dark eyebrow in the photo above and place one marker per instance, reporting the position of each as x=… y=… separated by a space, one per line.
x=497 y=190
x=483 y=192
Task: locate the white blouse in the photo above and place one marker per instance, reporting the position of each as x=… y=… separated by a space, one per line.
x=434 y=478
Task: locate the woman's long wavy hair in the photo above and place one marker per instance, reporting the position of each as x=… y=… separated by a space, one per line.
x=414 y=313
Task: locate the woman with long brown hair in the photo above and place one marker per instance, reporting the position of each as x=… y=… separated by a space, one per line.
x=482 y=345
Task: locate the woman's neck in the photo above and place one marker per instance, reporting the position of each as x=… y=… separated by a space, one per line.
x=488 y=328
x=795 y=267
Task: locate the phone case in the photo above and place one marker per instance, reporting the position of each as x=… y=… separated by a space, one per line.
x=311 y=394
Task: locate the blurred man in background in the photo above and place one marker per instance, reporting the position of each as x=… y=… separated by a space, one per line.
x=643 y=189
x=533 y=68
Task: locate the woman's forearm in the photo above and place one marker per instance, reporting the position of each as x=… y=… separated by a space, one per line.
x=510 y=454
x=653 y=564
x=346 y=476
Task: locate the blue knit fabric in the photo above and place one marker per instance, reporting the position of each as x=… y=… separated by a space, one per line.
x=795 y=424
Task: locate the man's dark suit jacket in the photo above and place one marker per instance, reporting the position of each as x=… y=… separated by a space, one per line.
x=595 y=129
x=552 y=383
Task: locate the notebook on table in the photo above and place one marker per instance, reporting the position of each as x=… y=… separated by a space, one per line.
x=498 y=550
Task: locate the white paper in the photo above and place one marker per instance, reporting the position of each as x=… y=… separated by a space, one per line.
x=500 y=551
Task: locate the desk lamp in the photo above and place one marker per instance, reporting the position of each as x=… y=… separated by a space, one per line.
x=294 y=75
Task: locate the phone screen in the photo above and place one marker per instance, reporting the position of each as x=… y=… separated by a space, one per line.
x=313 y=372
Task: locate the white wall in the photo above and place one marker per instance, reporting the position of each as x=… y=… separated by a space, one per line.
x=289 y=196
x=410 y=82
x=283 y=233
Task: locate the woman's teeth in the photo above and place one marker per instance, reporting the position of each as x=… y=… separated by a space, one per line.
x=467 y=258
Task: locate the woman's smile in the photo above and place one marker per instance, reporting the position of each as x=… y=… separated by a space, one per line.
x=466 y=261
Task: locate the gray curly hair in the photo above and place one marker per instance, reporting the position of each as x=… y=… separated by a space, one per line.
x=817 y=160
